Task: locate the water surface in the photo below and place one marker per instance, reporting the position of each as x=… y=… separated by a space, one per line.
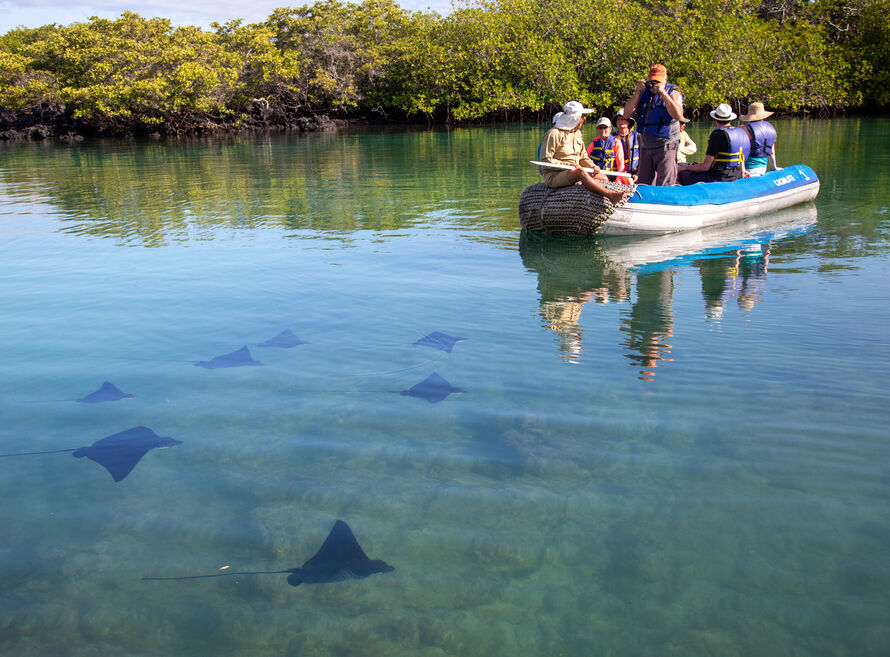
x=672 y=445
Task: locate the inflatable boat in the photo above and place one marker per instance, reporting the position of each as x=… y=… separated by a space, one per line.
x=653 y=210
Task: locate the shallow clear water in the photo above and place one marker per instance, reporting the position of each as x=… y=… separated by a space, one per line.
x=671 y=446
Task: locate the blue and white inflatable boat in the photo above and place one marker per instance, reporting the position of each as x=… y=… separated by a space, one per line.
x=669 y=209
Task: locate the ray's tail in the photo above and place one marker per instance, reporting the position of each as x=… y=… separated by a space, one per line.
x=242 y=572
x=52 y=451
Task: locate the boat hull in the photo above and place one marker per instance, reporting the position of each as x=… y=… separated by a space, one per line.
x=669 y=209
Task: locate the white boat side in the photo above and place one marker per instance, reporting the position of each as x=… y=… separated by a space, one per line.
x=651 y=218
x=641 y=250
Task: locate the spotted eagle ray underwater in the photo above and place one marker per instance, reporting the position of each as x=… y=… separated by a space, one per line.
x=238 y=358
x=340 y=558
x=284 y=340
x=433 y=389
x=440 y=341
x=107 y=392
x=118 y=453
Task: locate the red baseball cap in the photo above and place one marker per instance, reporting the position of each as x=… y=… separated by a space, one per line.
x=658 y=72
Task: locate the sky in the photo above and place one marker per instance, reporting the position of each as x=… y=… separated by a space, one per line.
x=34 y=13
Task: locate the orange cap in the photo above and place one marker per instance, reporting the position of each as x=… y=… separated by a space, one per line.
x=658 y=72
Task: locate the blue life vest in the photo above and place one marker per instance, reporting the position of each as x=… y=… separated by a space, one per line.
x=763 y=136
x=632 y=151
x=602 y=152
x=652 y=117
x=739 y=148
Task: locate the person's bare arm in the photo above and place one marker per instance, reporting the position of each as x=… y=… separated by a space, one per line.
x=631 y=107
x=772 y=160
x=701 y=166
x=673 y=102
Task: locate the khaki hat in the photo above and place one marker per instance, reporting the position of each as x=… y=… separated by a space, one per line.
x=756 y=112
x=604 y=121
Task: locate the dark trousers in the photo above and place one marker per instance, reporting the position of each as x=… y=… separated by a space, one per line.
x=692 y=177
x=658 y=166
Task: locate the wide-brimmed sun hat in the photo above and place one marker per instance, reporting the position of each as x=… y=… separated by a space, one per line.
x=658 y=72
x=756 y=112
x=572 y=112
x=723 y=113
x=620 y=115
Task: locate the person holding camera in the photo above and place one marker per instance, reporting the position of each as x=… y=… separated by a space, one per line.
x=657 y=107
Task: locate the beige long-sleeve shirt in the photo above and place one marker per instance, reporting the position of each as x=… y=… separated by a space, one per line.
x=563 y=147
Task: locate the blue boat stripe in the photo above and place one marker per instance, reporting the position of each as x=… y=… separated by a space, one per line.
x=721 y=193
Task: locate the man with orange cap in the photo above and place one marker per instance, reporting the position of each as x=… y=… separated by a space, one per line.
x=657 y=107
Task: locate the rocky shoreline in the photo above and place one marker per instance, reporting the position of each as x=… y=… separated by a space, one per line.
x=57 y=123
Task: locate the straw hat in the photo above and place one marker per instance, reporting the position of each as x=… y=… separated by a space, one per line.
x=723 y=113
x=756 y=112
x=572 y=112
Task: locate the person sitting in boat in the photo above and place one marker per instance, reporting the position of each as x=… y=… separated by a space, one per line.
x=725 y=156
x=606 y=149
x=762 y=134
x=687 y=146
x=564 y=144
x=630 y=142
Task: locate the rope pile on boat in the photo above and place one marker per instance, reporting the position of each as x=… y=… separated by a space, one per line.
x=571 y=210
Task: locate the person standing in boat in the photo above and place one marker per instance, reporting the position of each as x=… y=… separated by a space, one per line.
x=564 y=144
x=725 y=156
x=762 y=134
x=657 y=107
x=630 y=142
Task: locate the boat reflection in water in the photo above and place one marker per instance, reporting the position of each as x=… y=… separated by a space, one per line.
x=732 y=261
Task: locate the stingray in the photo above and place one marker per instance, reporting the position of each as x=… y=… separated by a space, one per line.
x=238 y=358
x=107 y=392
x=433 y=388
x=286 y=340
x=440 y=341
x=339 y=558
x=118 y=453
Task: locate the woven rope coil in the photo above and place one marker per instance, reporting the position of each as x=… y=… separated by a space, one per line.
x=571 y=210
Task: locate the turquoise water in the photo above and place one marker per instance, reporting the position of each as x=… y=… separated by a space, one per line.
x=666 y=446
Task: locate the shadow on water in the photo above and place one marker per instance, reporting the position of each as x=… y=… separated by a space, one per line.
x=732 y=262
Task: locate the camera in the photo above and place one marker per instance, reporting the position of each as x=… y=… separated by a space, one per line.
x=650 y=84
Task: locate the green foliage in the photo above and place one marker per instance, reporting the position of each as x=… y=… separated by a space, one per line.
x=867 y=44
x=487 y=58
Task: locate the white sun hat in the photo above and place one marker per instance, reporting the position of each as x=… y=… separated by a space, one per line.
x=723 y=113
x=572 y=112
